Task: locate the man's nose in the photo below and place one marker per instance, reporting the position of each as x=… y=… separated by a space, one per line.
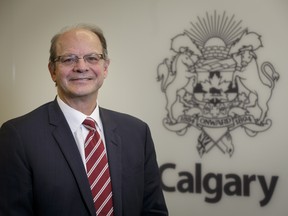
x=81 y=65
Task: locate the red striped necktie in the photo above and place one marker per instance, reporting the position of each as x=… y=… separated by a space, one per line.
x=98 y=170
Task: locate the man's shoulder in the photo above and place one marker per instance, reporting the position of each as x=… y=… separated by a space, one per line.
x=38 y=114
x=120 y=117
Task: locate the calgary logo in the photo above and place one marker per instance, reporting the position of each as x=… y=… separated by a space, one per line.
x=214 y=83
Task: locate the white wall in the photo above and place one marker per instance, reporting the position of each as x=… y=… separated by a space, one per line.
x=139 y=35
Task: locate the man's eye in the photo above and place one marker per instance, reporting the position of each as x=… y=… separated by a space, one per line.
x=68 y=60
x=92 y=58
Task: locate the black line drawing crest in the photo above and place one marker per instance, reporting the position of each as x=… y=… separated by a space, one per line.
x=213 y=82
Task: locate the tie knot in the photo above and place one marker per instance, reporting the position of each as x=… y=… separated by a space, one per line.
x=89 y=123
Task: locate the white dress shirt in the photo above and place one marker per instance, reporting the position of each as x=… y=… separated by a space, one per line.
x=75 y=120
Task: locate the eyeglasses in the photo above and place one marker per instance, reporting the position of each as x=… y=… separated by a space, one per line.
x=69 y=60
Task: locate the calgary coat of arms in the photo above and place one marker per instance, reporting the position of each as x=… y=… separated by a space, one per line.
x=214 y=83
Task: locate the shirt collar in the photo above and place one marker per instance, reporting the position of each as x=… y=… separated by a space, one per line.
x=75 y=118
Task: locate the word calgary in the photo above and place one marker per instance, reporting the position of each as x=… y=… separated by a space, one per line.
x=215 y=184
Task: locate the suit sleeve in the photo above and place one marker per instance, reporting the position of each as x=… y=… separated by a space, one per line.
x=15 y=176
x=154 y=202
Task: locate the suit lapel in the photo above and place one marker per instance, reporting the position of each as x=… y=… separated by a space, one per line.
x=113 y=146
x=66 y=142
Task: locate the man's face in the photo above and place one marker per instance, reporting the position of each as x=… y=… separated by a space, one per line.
x=79 y=80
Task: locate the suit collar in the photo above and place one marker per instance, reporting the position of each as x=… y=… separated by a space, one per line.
x=114 y=151
x=67 y=144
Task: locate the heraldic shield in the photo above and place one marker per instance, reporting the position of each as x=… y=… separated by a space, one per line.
x=213 y=83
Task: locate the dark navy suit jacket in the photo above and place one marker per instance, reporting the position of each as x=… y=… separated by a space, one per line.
x=41 y=171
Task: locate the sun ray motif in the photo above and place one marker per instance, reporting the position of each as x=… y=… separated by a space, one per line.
x=215 y=26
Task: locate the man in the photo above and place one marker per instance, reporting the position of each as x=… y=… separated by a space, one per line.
x=43 y=158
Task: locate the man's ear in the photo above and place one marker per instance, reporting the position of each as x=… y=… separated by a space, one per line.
x=106 y=65
x=51 y=68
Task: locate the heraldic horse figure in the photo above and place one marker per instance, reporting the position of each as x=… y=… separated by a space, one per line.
x=175 y=76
